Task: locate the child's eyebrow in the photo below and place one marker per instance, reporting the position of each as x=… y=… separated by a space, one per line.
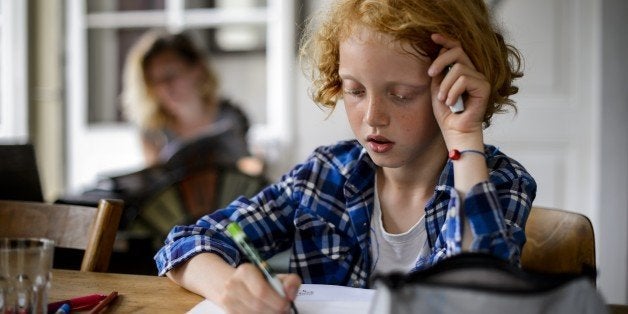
x=346 y=75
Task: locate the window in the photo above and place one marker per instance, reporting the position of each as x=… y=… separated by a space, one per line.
x=13 y=106
x=244 y=37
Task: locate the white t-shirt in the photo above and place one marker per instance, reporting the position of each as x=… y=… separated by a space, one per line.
x=396 y=252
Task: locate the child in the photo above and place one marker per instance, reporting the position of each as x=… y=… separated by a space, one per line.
x=416 y=185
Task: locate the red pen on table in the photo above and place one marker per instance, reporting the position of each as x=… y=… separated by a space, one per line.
x=104 y=303
x=79 y=303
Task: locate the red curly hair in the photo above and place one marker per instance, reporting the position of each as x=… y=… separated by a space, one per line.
x=412 y=21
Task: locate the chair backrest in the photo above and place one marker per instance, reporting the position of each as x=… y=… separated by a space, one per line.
x=92 y=229
x=194 y=195
x=558 y=241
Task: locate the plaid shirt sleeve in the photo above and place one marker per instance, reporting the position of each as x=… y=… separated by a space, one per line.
x=266 y=219
x=281 y=216
x=496 y=211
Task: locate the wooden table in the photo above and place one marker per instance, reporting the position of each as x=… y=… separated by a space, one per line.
x=142 y=294
x=136 y=293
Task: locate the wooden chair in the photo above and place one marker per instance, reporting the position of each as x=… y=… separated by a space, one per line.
x=558 y=241
x=186 y=199
x=92 y=229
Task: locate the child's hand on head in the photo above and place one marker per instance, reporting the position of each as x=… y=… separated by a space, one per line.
x=462 y=80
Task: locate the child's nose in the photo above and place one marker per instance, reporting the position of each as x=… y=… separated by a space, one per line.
x=376 y=114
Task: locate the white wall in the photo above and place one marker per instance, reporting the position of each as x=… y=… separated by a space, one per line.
x=613 y=144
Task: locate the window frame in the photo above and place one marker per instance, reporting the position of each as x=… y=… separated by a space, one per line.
x=13 y=77
x=275 y=133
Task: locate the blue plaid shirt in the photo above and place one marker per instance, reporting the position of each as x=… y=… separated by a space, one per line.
x=321 y=210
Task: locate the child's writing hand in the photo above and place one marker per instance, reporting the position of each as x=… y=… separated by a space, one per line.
x=462 y=80
x=248 y=291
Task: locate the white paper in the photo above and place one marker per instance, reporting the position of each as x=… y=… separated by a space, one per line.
x=313 y=299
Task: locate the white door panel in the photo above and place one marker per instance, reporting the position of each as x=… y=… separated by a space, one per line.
x=546 y=134
x=560 y=125
x=542 y=31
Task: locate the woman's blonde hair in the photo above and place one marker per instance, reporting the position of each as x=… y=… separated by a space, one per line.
x=138 y=100
x=412 y=21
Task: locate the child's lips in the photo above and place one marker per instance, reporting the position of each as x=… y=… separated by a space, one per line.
x=379 y=144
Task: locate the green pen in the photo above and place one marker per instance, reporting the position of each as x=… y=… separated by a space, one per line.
x=238 y=235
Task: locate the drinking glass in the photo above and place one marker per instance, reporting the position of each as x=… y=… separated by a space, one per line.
x=25 y=265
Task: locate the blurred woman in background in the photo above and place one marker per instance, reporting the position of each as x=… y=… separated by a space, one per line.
x=171 y=93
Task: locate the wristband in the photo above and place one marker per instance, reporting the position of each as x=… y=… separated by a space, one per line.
x=455 y=154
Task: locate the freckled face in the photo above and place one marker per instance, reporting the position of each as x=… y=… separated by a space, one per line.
x=387 y=97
